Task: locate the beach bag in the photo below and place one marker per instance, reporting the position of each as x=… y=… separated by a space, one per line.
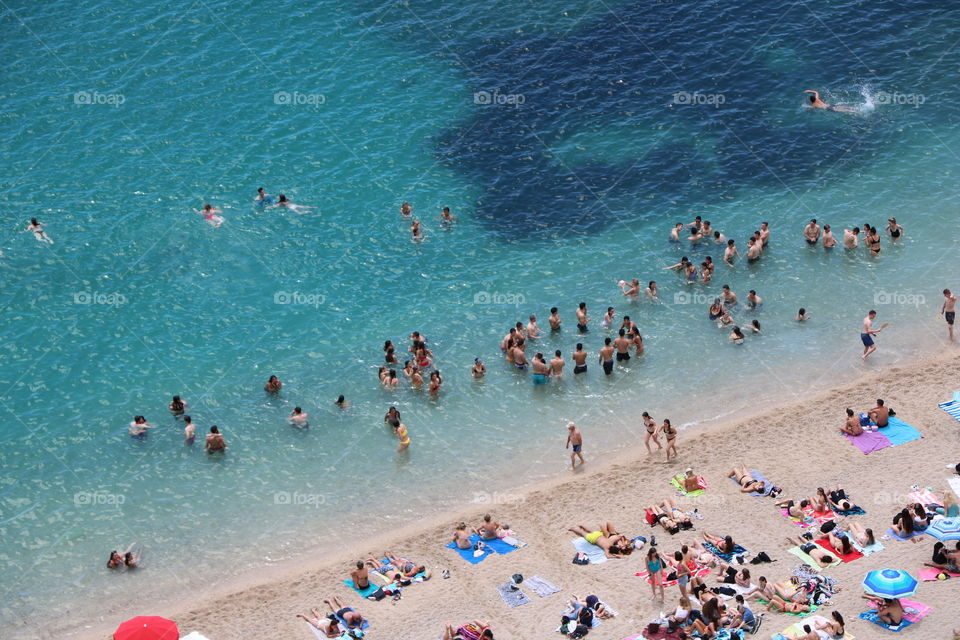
x=379 y=594
x=580 y=631
x=581 y=558
x=653 y=628
x=864 y=420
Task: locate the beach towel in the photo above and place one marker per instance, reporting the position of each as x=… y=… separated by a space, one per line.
x=756 y=475
x=796 y=629
x=824 y=543
x=869 y=441
x=810 y=562
x=896 y=536
x=541 y=587
x=664 y=633
x=954 y=483
x=899 y=432
x=594 y=553
x=871 y=616
x=712 y=548
x=803 y=522
x=677 y=482
x=512 y=594
x=952 y=407
x=467 y=554
x=856 y=511
x=343 y=623
x=924 y=497
x=873 y=548
x=929 y=574
x=320 y=634
x=913 y=612
x=363 y=592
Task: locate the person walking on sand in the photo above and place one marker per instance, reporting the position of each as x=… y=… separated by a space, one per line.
x=653 y=432
x=575 y=439
x=667 y=429
x=948 y=312
x=866 y=336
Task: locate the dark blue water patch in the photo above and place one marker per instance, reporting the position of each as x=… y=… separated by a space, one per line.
x=712 y=115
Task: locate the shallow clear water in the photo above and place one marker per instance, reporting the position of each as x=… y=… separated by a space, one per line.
x=120 y=120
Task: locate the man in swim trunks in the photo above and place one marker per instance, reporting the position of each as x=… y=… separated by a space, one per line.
x=575 y=440
x=817 y=103
x=851 y=239
x=540 y=369
x=554 y=319
x=829 y=242
x=948 y=311
x=533 y=331
x=489 y=529
x=764 y=233
x=519 y=357
x=622 y=345
x=556 y=364
x=880 y=415
x=753 y=300
x=579 y=360
x=606 y=356
x=360 y=576
x=754 y=249
x=811 y=232
x=730 y=252
x=582 y=317
x=866 y=335
x=728 y=296
x=675 y=232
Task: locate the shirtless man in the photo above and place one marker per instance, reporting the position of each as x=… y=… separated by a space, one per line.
x=879 y=414
x=948 y=311
x=540 y=369
x=764 y=233
x=579 y=360
x=533 y=331
x=851 y=239
x=829 y=242
x=866 y=335
x=406 y=210
x=811 y=232
x=506 y=345
x=519 y=357
x=852 y=424
x=554 y=319
x=729 y=297
x=556 y=364
x=730 y=252
x=489 y=528
x=622 y=345
x=753 y=300
x=360 y=576
x=754 y=249
x=575 y=440
x=632 y=290
x=706 y=230
x=675 y=232
x=582 y=317
x=719 y=238
x=606 y=356
x=817 y=103
x=298 y=418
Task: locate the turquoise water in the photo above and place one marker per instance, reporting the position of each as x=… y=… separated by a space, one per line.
x=120 y=120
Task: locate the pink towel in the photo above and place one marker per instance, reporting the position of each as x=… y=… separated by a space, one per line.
x=869 y=441
x=929 y=574
x=912 y=611
x=924 y=497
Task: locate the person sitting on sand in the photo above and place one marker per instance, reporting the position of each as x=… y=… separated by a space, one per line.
x=794 y=509
x=779 y=604
x=746 y=481
x=690 y=481
x=613 y=543
x=819 y=501
x=903 y=524
x=360 y=576
x=676 y=513
x=461 y=536
x=889 y=610
x=834 y=626
x=352 y=618
x=852 y=425
x=724 y=544
x=880 y=415
x=821 y=557
x=489 y=529
x=328 y=625
x=475 y=630
x=763 y=590
x=945 y=560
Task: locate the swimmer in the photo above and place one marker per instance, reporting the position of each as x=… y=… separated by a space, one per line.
x=400 y=430
x=675 y=232
x=725 y=319
x=189 y=430
x=622 y=344
x=872 y=241
x=728 y=296
x=811 y=232
x=633 y=290
x=445 y=217
x=390 y=380
x=554 y=319
x=177 y=406
x=273 y=385
x=754 y=249
x=286 y=204
x=636 y=340
x=131 y=557
x=708 y=265
x=802 y=315
x=695 y=235
x=539 y=369
x=416 y=378
x=680 y=266
x=716 y=309
x=753 y=300
x=690 y=273
x=209 y=214
x=519 y=357
x=706 y=231
x=651 y=290
x=575 y=440
x=829 y=242
x=215 y=442
x=755 y=327
x=579 y=360
x=477 y=370
x=38 y=232
x=263 y=197
x=736 y=336
x=556 y=364
x=582 y=318
x=435 y=382
x=115 y=561
x=764 y=233
x=606 y=356
x=894 y=230
x=817 y=103
x=416 y=231
x=298 y=418
x=607 y=318
x=730 y=252
x=138 y=428
x=533 y=331
x=705 y=271
x=392 y=415
x=948 y=311
x=406 y=210
x=851 y=238
x=341 y=402
x=628 y=325
x=697 y=223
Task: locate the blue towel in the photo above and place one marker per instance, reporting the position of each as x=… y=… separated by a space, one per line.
x=467 y=554
x=500 y=546
x=756 y=475
x=899 y=431
x=856 y=511
x=874 y=617
x=363 y=592
x=343 y=622
x=737 y=550
x=897 y=536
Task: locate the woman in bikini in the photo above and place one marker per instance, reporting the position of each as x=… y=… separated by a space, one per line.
x=903 y=524
x=671 y=434
x=724 y=544
x=834 y=626
x=676 y=513
x=842 y=545
x=745 y=480
x=779 y=604
x=475 y=630
x=416 y=379
x=819 y=501
x=864 y=537
x=821 y=557
x=329 y=627
x=716 y=309
x=873 y=241
x=402 y=435
x=614 y=544
x=652 y=432
x=656 y=515
x=794 y=509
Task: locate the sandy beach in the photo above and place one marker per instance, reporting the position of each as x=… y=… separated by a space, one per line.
x=797 y=446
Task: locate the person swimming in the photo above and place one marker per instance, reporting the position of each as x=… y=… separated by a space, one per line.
x=296 y=208
x=263 y=198
x=817 y=103
x=209 y=214
x=38 y=233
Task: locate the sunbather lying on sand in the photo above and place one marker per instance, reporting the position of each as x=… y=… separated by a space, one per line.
x=747 y=484
x=593 y=603
x=724 y=545
x=353 y=618
x=863 y=536
x=328 y=625
x=794 y=508
x=839 y=500
x=613 y=543
x=676 y=513
x=821 y=557
x=668 y=516
x=841 y=544
x=475 y=630
x=699 y=554
x=779 y=604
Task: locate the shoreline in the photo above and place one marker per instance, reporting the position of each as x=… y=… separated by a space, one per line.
x=295 y=584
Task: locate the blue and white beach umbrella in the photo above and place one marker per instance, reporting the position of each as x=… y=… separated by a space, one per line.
x=945 y=529
x=890 y=583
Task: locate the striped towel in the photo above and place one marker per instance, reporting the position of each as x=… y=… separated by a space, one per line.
x=737 y=550
x=952 y=407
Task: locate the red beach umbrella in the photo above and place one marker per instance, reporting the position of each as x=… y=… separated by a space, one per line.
x=147 y=628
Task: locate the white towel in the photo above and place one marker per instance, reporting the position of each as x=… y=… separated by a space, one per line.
x=592 y=551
